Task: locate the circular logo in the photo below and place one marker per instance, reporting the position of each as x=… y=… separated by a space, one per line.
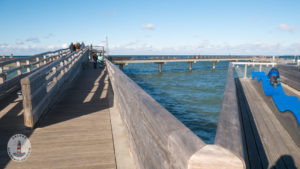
x=18 y=147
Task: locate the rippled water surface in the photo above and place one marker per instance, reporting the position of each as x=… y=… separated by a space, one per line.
x=195 y=98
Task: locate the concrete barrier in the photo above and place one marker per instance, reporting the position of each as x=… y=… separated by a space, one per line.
x=157 y=138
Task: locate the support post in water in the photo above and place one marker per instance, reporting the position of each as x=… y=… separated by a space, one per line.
x=190 y=66
x=160 y=66
x=214 y=65
x=121 y=66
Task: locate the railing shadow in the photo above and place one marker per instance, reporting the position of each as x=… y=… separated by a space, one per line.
x=75 y=103
x=254 y=150
x=11 y=123
x=285 y=161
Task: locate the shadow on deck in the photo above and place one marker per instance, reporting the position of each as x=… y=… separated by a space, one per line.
x=79 y=123
x=254 y=140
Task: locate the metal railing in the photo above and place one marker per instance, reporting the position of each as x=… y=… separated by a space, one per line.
x=246 y=64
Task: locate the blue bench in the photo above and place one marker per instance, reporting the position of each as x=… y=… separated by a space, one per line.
x=282 y=101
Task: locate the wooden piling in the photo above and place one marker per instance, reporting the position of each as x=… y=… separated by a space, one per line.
x=190 y=66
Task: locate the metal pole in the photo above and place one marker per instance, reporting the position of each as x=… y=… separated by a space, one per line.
x=245 y=75
x=260 y=67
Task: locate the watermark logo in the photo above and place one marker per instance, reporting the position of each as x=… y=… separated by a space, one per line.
x=18 y=147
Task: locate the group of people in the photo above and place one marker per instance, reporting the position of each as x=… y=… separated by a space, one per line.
x=76 y=46
x=98 y=59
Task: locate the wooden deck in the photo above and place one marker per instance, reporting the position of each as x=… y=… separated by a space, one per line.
x=268 y=143
x=76 y=133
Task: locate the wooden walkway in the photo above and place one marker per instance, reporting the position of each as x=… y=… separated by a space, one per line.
x=268 y=143
x=76 y=133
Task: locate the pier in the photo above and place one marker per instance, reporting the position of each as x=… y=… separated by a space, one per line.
x=76 y=116
x=160 y=60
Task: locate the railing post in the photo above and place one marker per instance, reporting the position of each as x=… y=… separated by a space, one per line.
x=38 y=64
x=260 y=67
x=245 y=73
x=45 y=61
x=2 y=78
x=27 y=104
x=65 y=63
x=19 y=69
x=62 y=65
x=55 y=77
x=28 y=66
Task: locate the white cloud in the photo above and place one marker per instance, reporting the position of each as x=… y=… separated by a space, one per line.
x=205 y=47
x=3 y=45
x=138 y=47
x=28 y=49
x=148 y=26
x=50 y=35
x=288 y=28
x=19 y=42
x=65 y=45
x=33 y=39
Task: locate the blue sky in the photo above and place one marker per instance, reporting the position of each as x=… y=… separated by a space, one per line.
x=265 y=27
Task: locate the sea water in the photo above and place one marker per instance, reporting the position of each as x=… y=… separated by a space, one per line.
x=194 y=98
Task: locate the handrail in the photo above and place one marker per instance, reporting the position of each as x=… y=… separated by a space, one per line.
x=253 y=63
x=173 y=57
x=40 y=88
x=229 y=131
x=29 y=63
x=157 y=138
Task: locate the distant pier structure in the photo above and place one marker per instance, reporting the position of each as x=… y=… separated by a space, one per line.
x=160 y=60
x=76 y=116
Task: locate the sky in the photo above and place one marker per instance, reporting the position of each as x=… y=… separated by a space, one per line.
x=236 y=27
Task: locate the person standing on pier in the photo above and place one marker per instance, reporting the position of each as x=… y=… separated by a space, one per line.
x=95 y=60
x=77 y=46
x=71 y=47
x=101 y=60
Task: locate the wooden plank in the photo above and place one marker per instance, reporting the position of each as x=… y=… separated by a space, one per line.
x=290 y=74
x=74 y=134
x=229 y=131
x=42 y=98
x=256 y=157
x=278 y=144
